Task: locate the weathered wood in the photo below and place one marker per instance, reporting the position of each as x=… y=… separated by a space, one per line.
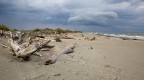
x=14 y=45
x=31 y=49
x=21 y=38
x=21 y=51
x=57 y=39
x=53 y=59
x=67 y=38
x=32 y=46
x=4 y=46
x=1 y=33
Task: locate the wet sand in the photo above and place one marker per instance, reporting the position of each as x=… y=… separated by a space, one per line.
x=105 y=58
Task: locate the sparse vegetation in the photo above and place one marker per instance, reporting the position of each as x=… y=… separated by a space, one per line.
x=77 y=31
x=4 y=27
x=68 y=31
x=15 y=29
x=57 y=30
x=45 y=30
x=36 y=30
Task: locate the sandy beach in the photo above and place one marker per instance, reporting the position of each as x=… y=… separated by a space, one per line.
x=105 y=58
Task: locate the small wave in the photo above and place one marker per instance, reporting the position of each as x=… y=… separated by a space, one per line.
x=122 y=36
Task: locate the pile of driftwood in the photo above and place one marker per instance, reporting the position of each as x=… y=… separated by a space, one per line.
x=24 y=46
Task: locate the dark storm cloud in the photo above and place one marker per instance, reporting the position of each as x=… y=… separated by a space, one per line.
x=100 y=15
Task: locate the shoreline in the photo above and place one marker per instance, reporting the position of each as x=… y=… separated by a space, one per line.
x=122 y=36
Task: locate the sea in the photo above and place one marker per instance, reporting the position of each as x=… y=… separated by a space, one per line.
x=132 y=35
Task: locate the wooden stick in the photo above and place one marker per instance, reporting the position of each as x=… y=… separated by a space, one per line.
x=4 y=46
x=53 y=59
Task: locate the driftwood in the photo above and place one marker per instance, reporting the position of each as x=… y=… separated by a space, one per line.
x=4 y=45
x=21 y=51
x=26 y=47
x=57 y=39
x=28 y=51
x=1 y=33
x=66 y=37
x=21 y=38
x=4 y=34
x=53 y=59
x=25 y=52
x=90 y=39
x=23 y=47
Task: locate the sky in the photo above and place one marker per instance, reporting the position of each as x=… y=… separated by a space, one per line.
x=83 y=15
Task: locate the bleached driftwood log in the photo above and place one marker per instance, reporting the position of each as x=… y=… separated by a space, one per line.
x=21 y=51
x=4 y=46
x=30 y=50
x=25 y=52
x=54 y=58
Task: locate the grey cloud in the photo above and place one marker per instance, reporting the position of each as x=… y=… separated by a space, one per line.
x=99 y=14
x=93 y=17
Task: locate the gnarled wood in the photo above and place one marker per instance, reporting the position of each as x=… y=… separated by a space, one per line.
x=32 y=46
x=53 y=59
x=21 y=51
x=31 y=49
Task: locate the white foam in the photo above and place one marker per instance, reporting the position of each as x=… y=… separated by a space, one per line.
x=122 y=36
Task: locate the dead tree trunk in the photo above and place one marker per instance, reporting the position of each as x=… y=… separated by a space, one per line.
x=22 y=52
x=53 y=59
x=26 y=52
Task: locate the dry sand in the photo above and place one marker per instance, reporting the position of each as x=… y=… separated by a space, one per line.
x=101 y=59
